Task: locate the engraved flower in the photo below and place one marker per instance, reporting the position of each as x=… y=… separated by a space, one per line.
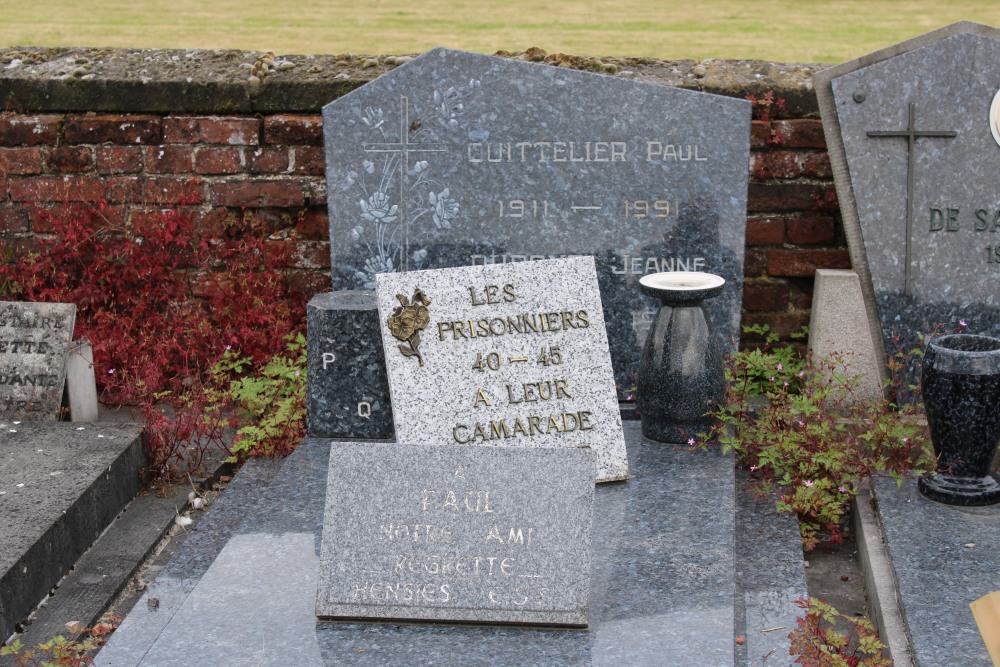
x=373 y=117
x=378 y=264
x=445 y=208
x=377 y=208
x=408 y=320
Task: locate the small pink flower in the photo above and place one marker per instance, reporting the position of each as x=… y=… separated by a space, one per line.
x=111 y=371
x=842 y=489
x=785 y=383
x=752 y=468
x=962 y=323
x=808 y=482
x=800 y=423
x=690 y=440
x=770 y=379
x=802 y=374
x=780 y=367
x=905 y=440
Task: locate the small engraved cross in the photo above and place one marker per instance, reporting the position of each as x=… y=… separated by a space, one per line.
x=911 y=133
x=403 y=148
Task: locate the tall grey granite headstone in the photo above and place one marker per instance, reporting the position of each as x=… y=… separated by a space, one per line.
x=458 y=159
x=450 y=533
x=34 y=344
x=914 y=136
x=502 y=355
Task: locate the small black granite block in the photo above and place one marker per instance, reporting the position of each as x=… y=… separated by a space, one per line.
x=348 y=390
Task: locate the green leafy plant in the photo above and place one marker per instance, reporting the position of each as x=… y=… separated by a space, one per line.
x=805 y=435
x=62 y=652
x=818 y=643
x=271 y=401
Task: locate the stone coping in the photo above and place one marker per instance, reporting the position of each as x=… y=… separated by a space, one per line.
x=75 y=79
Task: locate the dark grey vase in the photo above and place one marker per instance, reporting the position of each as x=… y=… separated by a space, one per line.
x=680 y=375
x=960 y=381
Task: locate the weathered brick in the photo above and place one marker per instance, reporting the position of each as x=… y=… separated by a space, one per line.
x=313 y=224
x=29 y=130
x=20 y=161
x=798 y=133
x=169 y=159
x=310 y=161
x=800 y=293
x=119 y=159
x=51 y=219
x=113 y=128
x=307 y=282
x=763 y=197
x=803 y=263
x=754 y=262
x=69 y=159
x=775 y=165
x=268 y=160
x=4 y=181
x=231 y=130
x=166 y=190
x=290 y=130
x=311 y=255
x=74 y=189
x=765 y=231
x=760 y=133
x=817 y=165
x=765 y=295
x=258 y=193
x=227 y=160
x=810 y=229
x=14 y=219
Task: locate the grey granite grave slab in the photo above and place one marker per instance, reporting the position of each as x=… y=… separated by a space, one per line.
x=943 y=558
x=34 y=344
x=913 y=134
x=458 y=158
x=347 y=388
x=662 y=582
x=452 y=533
x=507 y=355
x=61 y=484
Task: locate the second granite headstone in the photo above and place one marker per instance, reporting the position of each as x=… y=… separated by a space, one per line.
x=914 y=132
x=502 y=355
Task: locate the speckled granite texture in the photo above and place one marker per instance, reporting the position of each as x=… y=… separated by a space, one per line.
x=348 y=391
x=662 y=587
x=34 y=344
x=453 y=533
x=911 y=135
x=456 y=158
x=510 y=354
x=944 y=558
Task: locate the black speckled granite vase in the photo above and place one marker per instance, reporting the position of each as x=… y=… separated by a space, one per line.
x=680 y=375
x=960 y=381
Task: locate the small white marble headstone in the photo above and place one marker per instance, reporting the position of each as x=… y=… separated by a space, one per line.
x=502 y=355
x=34 y=344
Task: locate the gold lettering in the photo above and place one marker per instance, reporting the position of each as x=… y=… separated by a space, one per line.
x=481 y=399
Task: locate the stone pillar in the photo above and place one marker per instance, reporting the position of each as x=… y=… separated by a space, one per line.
x=348 y=389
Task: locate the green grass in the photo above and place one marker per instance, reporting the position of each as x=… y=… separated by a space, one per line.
x=781 y=30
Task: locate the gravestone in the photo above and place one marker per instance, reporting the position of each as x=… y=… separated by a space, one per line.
x=457 y=159
x=449 y=533
x=502 y=355
x=914 y=135
x=34 y=344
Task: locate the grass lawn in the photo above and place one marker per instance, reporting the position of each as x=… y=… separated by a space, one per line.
x=781 y=30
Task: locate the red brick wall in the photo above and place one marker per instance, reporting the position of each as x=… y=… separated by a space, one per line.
x=271 y=166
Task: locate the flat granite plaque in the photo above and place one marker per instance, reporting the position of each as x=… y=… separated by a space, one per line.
x=502 y=355
x=34 y=344
x=450 y=533
x=914 y=137
x=457 y=158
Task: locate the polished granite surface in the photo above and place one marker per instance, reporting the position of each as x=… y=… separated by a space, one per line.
x=242 y=589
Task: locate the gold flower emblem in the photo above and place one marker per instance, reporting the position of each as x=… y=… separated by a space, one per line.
x=408 y=320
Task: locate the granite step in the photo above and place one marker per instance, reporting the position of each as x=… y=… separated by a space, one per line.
x=61 y=485
x=683 y=564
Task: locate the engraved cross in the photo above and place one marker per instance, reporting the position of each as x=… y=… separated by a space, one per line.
x=911 y=133
x=403 y=148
